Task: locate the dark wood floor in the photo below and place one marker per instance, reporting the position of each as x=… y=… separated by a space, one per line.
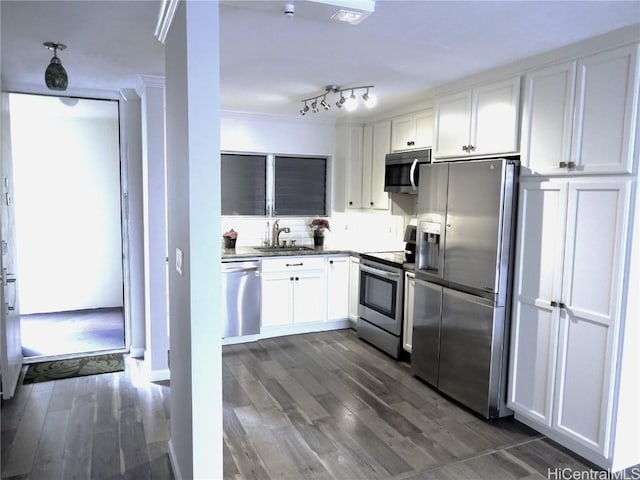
x=328 y=406
x=111 y=426
x=313 y=406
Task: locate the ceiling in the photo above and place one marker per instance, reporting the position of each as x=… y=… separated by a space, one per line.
x=269 y=61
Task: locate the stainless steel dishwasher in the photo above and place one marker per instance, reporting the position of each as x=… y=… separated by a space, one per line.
x=241 y=298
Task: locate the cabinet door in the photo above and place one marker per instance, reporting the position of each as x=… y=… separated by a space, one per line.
x=381 y=146
x=537 y=282
x=337 y=288
x=424 y=129
x=592 y=291
x=409 y=287
x=354 y=288
x=354 y=167
x=606 y=112
x=309 y=297
x=494 y=119
x=403 y=132
x=548 y=118
x=277 y=299
x=453 y=124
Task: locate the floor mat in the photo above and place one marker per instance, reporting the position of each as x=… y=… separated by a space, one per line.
x=74 y=367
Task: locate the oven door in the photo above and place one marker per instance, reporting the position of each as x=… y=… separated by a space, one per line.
x=381 y=296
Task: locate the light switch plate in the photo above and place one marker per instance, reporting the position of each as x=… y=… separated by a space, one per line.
x=179 y=261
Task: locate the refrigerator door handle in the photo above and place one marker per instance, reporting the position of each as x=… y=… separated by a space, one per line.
x=413 y=173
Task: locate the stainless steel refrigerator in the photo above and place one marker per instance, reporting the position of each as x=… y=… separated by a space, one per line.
x=466 y=220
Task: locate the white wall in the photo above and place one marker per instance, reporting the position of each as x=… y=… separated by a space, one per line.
x=355 y=230
x=151 y=90
x=193 y=196
x=134 y=270
x=67 y=189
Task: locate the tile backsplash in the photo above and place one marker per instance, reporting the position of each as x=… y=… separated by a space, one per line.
x=358 y=231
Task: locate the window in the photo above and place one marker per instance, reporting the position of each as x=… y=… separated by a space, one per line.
x=244 y=184
x=300 y=186
x=273 y=185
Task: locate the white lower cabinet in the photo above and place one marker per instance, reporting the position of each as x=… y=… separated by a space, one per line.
x=338 y=287
x=354 y=289
x=293 y=290
x=568 y=298
x=407 y=327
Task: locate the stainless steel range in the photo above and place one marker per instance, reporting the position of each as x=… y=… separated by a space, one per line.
x=380 y=308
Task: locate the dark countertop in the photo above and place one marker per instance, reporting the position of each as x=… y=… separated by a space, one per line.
x=245 y=253
x=242 y=253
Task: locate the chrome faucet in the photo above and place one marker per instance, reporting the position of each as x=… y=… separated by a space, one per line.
x=275 y=234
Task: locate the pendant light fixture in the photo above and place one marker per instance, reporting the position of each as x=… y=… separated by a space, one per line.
x=55 y=76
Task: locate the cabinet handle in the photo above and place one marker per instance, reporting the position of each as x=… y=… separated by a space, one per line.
x=553 y=303
x=465 y=148
x=571 y=165
x=350 y=203
x=471 y=148
x=562 y=305
x=294 y=264
x=371 y=203
x=331 y=262
x=563 y=165
x=291 y=279
x=297 y=279
x=411 y=143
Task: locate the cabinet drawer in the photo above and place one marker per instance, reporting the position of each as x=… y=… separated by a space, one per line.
x=293 y=264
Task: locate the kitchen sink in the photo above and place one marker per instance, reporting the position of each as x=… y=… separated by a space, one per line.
x=284 y=249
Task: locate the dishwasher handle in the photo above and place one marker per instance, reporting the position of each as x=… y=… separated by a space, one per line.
x=241 y=269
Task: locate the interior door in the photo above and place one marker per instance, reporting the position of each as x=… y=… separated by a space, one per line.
x=10 y=340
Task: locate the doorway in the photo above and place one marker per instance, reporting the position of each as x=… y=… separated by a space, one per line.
x=67 y=187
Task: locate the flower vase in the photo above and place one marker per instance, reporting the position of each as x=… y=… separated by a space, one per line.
x=229 y=242
x=318 y=238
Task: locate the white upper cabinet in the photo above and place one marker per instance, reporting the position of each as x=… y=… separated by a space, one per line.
x=579 y=117
x=359 y=166
x=481 y=121
x=410 y=132
x=377 y=143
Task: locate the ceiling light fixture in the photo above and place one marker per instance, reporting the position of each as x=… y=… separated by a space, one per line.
x=350 y=103
x=370 y=100
x=55 y=76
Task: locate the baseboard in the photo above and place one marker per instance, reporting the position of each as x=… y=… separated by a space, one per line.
x=136 y=352
x=281 y=330
x=174 y=461
x=159 y=375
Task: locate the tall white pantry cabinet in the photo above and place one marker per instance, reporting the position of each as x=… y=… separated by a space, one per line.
x=574 y=334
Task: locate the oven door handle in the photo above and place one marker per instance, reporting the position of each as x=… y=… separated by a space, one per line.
x=412 y=174
x=380 y=273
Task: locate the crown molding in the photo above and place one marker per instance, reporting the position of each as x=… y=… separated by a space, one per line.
x=147 y=81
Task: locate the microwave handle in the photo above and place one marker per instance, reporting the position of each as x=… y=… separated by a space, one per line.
x=412 y=173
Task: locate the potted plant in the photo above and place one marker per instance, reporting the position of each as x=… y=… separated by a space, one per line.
x=230 y=238
x=318 y=226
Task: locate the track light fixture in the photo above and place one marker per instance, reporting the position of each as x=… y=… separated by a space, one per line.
x=350 y=103
x=55 y=76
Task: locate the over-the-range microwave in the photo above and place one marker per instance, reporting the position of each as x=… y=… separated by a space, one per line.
x=401 y=173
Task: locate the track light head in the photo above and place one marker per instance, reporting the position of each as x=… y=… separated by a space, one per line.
x=314 y=106
x=324 y=103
